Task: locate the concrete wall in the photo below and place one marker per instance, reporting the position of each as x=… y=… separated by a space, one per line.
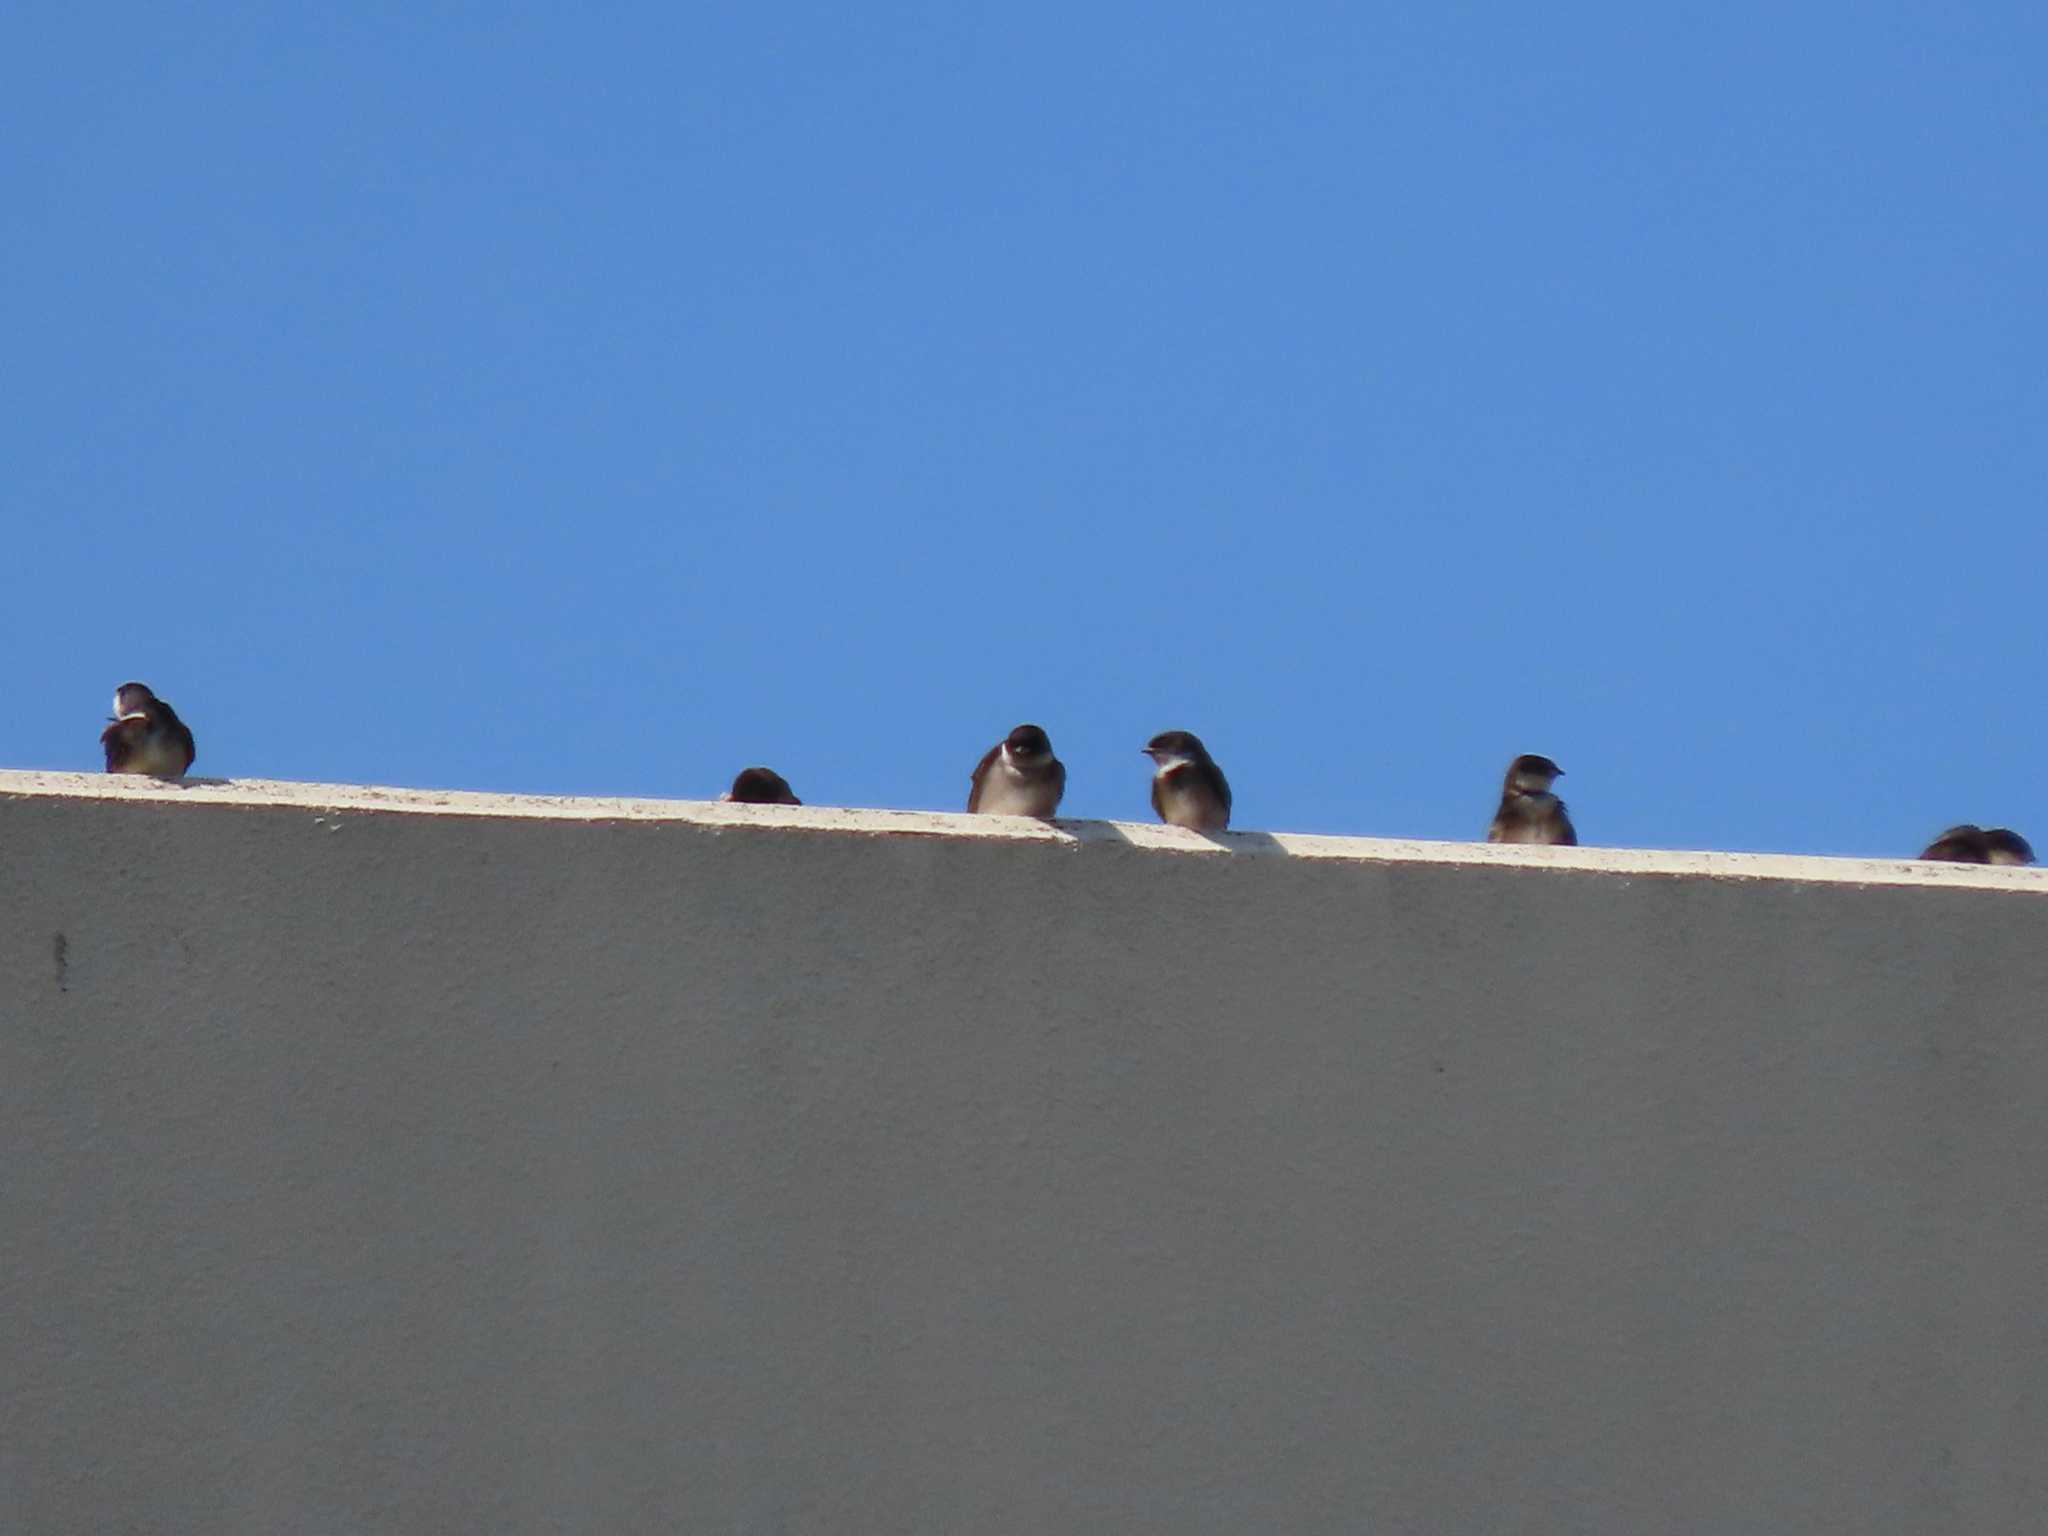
x=386 y=1162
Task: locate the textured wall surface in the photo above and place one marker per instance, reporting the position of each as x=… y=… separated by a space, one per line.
x=384 y=1162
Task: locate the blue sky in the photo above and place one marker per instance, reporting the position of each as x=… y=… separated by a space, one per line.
x=598 y=399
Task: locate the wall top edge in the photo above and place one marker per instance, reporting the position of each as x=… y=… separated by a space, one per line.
x=364 y=799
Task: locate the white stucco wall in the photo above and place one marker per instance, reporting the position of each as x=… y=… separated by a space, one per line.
x=379 y=1161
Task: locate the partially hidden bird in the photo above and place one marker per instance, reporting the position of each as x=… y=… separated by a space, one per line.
x=760 y=786
x=1967 y=844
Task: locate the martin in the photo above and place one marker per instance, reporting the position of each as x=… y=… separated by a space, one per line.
x=1188 y=789
x=1968 y=844
x=147 y=736
x=761 y=786
x=1529 y=812
x=1018 y=776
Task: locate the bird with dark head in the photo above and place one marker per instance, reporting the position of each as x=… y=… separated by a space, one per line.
x=1529 y=812
x=2007 y=847
x=1968 y=844
x=146 y=735
x=1018 y=776
x=1188 y=789
x=760 y=786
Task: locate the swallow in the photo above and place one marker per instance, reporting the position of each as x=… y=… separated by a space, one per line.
x=1968 y=844
x=1188 y=789
x=1529 y=812
x=761 y=786
x=147 y=736
x=1018 y=776
x=2007 y=846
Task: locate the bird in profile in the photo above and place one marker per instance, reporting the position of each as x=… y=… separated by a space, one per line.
x=146 y=735
x=1529 y=812
x=1018 y=776
x=1968 y=844
x=1188 y=789
x=760 y=786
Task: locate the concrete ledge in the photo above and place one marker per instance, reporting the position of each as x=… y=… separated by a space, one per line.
x=381 y=800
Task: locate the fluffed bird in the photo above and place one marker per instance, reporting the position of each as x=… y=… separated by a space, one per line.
x=1967 y=844
x=1188 y=789
x=1529 y=812
x=146 y=735
x=2007 y=846
x=760 y=786
x=1018 y=776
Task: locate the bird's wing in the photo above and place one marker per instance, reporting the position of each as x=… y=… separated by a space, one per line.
x=980 y=775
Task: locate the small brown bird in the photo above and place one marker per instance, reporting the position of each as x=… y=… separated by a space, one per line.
x=1018 y=776
x=147 y=736
x=1529 y=812
x=1968 y=844
x=2007 y=846
x=761 y=786
x=1188 y=789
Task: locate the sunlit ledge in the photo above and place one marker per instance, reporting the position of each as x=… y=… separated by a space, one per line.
x=381 y=800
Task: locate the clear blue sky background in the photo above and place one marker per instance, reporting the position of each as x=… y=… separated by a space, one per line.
x=596 y=399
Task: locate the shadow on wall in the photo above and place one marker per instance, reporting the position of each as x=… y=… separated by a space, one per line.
x=1222 y=842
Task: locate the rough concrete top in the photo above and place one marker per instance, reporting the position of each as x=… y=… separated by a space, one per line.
x=365 y=799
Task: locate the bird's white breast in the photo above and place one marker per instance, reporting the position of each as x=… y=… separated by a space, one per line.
x=1006 y=792
x=1185 y=801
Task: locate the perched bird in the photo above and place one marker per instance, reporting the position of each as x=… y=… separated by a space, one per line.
x=2007 y=846
x=1188 y=789
x=1529 y=812
x=147 y=736
x=761 y=786
x=1018 y=776
x=1979 y=845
